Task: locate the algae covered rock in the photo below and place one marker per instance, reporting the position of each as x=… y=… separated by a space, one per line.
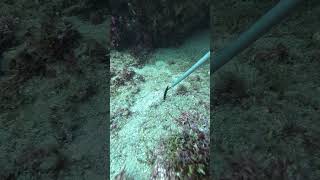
x=7 y=30
x=156 y=23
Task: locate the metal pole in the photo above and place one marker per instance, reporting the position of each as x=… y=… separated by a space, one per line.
x=264 y=24
x=187 y=73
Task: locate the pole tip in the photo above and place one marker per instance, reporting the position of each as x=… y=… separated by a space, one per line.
x=165 y=93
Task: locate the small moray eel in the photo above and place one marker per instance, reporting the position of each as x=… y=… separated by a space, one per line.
x=165 y=93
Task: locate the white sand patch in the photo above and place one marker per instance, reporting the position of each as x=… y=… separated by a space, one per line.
x=152 y=118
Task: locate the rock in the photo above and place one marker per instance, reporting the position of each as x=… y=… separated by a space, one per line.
x=316 y=37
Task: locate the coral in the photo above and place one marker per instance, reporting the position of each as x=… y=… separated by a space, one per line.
x=188 y=153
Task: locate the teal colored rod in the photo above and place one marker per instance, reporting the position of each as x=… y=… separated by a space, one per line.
x=263 y=25
x=187 y=73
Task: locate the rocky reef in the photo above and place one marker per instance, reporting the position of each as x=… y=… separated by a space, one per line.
x=151 y=24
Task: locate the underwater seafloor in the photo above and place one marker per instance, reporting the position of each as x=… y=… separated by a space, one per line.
x=140 y=120
x=267 y=100
x=53 y=90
